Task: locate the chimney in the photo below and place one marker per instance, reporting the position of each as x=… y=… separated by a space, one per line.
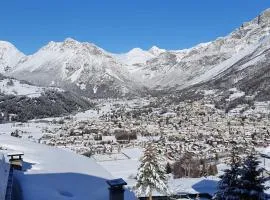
x=116 y=189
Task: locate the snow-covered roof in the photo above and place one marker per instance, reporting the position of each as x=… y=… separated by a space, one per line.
x=53 y=173
x=15 y=153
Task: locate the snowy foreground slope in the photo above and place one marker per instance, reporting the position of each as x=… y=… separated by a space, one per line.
x=52 y=173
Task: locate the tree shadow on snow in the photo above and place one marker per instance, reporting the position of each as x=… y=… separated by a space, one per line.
x=206 y=186
x=64 y=186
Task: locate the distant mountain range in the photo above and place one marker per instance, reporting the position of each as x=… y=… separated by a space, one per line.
x=240 y=60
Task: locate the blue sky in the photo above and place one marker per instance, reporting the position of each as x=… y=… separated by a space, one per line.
x=119 y=25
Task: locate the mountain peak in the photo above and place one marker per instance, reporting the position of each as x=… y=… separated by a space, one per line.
x=136 y=50
x=70 y=40
x=266 y=11
x=156 y=50
x=264 y=17
x=68 y=43
x=9 y=56
x=71 y=43
x=5 y=44
x=134 y=56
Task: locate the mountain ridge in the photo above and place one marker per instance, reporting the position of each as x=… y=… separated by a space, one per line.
x=92 y=71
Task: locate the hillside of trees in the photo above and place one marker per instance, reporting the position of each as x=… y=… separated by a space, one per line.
x=50 y=104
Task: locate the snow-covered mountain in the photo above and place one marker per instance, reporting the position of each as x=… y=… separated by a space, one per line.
x=156 y=50
x=247 y=68
x=9 y=56
x=138 y=55
x=92 y=71
x=81 y=67
x=183 y=68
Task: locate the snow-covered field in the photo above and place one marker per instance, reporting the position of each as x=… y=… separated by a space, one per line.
x=110 y=157
x=52 y=173
x=10 y=86
x=126 y=168
x=15 y=87
x=32 y=130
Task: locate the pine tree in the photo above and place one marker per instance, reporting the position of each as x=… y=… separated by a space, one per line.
x=228 y=186
x=252 y=182
x=151 y=173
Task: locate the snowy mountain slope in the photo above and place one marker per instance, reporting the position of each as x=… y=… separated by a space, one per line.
x=9 y=56
x=20 y=101
x=51 y=103
x=183 y=68
x=10 y=86
x=251 y=74
x=53 y=173
x=81 y=67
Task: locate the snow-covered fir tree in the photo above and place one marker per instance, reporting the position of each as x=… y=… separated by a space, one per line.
x=228 y=186
x=151 y=173
x=252 y=182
